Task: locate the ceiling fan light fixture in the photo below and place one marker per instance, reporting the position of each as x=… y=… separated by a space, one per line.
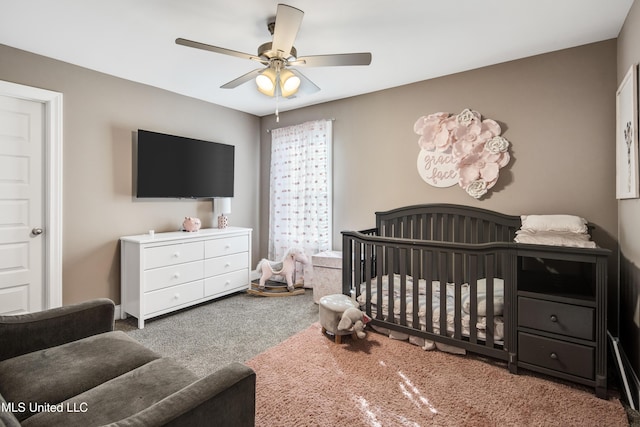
x=289 y=83
x=266 y=82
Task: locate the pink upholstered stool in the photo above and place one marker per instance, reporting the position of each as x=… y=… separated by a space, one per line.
x=331 y=308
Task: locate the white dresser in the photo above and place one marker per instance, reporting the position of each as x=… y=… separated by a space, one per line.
x=174 y=270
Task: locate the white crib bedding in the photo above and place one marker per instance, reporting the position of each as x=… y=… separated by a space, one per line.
x=498 y=303
x=498 y=295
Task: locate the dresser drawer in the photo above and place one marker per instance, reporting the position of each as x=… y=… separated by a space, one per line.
x=226 y=246
x=161 y=256
x=163 y=277
x=226 y=264
x=174 y=296
x=574 y=359
x=226 y=282
x=566 y=319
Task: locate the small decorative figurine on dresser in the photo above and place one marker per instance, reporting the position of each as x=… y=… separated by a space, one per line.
x=191 y=224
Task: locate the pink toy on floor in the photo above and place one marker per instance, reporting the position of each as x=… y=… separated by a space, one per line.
x=285 y=268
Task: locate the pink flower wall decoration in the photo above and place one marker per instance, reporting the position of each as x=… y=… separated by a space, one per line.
x=471 y=148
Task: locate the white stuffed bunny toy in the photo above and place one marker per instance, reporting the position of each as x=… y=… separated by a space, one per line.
x=354 y=320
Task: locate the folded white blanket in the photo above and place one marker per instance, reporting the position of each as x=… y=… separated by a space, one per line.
x=554 y=238
x=562 y=223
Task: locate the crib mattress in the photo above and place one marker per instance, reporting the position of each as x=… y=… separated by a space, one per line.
x=435 y=301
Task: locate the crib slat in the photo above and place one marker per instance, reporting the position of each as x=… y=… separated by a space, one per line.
x=473 y=298
x=368 y=256
x=390 y=257
x=443 y=293
x=357 y=260
x=416 y=274
x=490 y=261
x=402 y=258
x=457 y=279
x=445 y=228
x=428 y=262
x=379 y=276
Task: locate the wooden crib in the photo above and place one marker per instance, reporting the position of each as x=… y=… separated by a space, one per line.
x=448 y=274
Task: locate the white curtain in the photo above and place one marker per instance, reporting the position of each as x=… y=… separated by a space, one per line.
x=300 y=191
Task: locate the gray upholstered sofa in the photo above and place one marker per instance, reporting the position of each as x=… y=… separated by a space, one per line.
x=68 y=367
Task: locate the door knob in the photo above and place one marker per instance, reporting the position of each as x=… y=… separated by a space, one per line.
x=37 y=231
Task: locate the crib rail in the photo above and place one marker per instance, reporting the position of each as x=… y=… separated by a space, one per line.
x=446 y=268
x=447 y=222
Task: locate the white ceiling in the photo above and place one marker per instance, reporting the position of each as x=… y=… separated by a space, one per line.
x=410 y=40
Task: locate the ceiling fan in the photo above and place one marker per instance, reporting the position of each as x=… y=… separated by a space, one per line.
x=279 y=77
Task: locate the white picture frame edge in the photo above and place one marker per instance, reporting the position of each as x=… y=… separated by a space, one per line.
x=628 y=89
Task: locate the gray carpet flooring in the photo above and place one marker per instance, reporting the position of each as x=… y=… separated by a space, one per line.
x=235 y=328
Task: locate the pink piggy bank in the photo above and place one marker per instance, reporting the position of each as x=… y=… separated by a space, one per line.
x=191 y=224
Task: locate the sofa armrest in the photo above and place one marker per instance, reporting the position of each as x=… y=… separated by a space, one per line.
x=24 y=333
x=224 y=398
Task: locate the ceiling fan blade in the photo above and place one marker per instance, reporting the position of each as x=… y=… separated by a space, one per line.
x=242 y=79
x=216 y=49
x=336 y=60
x=288 y=20
x=307 y=87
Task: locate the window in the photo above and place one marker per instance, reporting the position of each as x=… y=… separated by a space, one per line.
x=300 y=189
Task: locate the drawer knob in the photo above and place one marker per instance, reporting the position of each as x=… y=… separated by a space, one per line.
x=176 y=275
x=176 y=254
x=228 y=264
x=553 y=356
x=553 y=318
x=176 y=296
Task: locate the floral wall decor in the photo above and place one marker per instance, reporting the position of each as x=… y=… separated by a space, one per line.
x=461 y=149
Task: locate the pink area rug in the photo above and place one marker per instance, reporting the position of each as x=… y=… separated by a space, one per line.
x=308 y=380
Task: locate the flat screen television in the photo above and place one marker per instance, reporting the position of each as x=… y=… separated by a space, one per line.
x=171 y=166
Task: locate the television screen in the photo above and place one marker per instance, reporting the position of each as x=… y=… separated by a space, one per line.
x=179 y=167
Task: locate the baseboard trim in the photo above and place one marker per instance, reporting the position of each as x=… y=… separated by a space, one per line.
x=629 y=379
x=117 y=313
x=634 y=383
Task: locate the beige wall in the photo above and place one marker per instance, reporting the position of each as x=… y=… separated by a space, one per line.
x=629 y=210
x=100 y=114
x=557 y=110
x=628 y=215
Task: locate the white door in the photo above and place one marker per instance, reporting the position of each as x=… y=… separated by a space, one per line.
x=22 y=219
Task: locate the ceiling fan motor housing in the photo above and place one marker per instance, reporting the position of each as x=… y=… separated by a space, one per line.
x=265 y=51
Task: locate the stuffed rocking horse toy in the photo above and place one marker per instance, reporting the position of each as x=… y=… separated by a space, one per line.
x=285 y=268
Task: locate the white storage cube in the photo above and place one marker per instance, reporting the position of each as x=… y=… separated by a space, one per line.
x=327 y=274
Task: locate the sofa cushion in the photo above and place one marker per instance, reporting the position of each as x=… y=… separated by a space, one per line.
x=7 y=419
x=120 y=397
x=56 y=374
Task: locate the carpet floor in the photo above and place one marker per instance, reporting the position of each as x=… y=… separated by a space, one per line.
x=232 y=329
x=308 y=380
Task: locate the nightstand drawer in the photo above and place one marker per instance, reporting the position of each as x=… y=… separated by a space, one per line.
x=566 y=319
x=560 y=356
x=227 y=246
x=161 y=256
x=172 y=297
x=159 y=278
